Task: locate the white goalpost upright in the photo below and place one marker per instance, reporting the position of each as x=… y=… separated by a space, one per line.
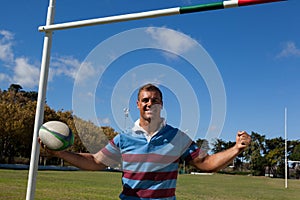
x=285 y=148
x=39 y=115
x=50 y=27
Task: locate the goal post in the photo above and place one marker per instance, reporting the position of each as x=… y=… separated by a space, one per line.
x=39 y=115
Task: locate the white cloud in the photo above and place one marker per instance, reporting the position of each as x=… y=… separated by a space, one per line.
x=289 y=49
x=69 y=66
x=65 y=65
x=25 y=73
x=21 y=71
x=104 y=121
x=4 y=78
x=7 y=35
x=172 y=40
x=87 y=71
x=6 y=43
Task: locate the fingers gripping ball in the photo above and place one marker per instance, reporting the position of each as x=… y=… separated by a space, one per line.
x=56 y=135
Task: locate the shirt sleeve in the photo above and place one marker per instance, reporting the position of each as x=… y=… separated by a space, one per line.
x=193 y=152
x=110 y=155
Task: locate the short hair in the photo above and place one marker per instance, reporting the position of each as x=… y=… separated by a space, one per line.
x=150 y=87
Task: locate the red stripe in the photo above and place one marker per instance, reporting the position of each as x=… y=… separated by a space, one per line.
x=106 y=152
x=195 y=154
x=146 y=193
x=152 y=176
x=251 y=2
x=154 y=158
x=112 y=142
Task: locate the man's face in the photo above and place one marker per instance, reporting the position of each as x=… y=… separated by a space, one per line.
x=149 y=104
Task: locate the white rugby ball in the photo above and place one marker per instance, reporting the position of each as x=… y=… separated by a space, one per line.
x=56 y=135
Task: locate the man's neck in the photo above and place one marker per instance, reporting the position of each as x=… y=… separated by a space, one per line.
x=151 y=125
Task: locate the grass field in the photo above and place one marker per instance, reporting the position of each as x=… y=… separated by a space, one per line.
x=107 y=185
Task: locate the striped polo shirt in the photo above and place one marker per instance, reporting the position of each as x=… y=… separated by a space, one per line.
x=150 y=167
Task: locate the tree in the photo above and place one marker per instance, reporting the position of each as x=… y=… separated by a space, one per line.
x=219 y=145
x=15 y=88
x=203 y=144
x=255 y=154
x=275 y=156
x=32 y=95
x=17 y=118
x=295 y=156
x=109 y=132
x=16 y=121
x=295 y=150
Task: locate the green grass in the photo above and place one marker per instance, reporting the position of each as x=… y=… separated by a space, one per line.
x=107 y=185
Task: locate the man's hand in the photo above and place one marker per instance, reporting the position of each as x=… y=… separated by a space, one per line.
x=243 y=140
x=43 y=146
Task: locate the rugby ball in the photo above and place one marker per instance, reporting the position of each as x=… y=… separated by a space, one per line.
x=56 y=135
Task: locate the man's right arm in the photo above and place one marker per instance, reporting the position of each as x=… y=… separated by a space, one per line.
x=85 y=161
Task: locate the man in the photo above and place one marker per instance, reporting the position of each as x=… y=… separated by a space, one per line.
x=150 y=153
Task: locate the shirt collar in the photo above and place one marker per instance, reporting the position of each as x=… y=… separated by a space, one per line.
x=137 y=128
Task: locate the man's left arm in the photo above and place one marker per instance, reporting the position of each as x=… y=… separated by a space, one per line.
x=218 y=161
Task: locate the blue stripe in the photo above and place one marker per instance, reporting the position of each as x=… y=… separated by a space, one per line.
x=112 y=149
x=150 y=167
x=57 y=134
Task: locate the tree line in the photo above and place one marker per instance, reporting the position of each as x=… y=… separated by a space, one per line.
x=264 y=156
x=17 y=108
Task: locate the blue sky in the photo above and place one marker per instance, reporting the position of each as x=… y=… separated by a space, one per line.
x=255 y=50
